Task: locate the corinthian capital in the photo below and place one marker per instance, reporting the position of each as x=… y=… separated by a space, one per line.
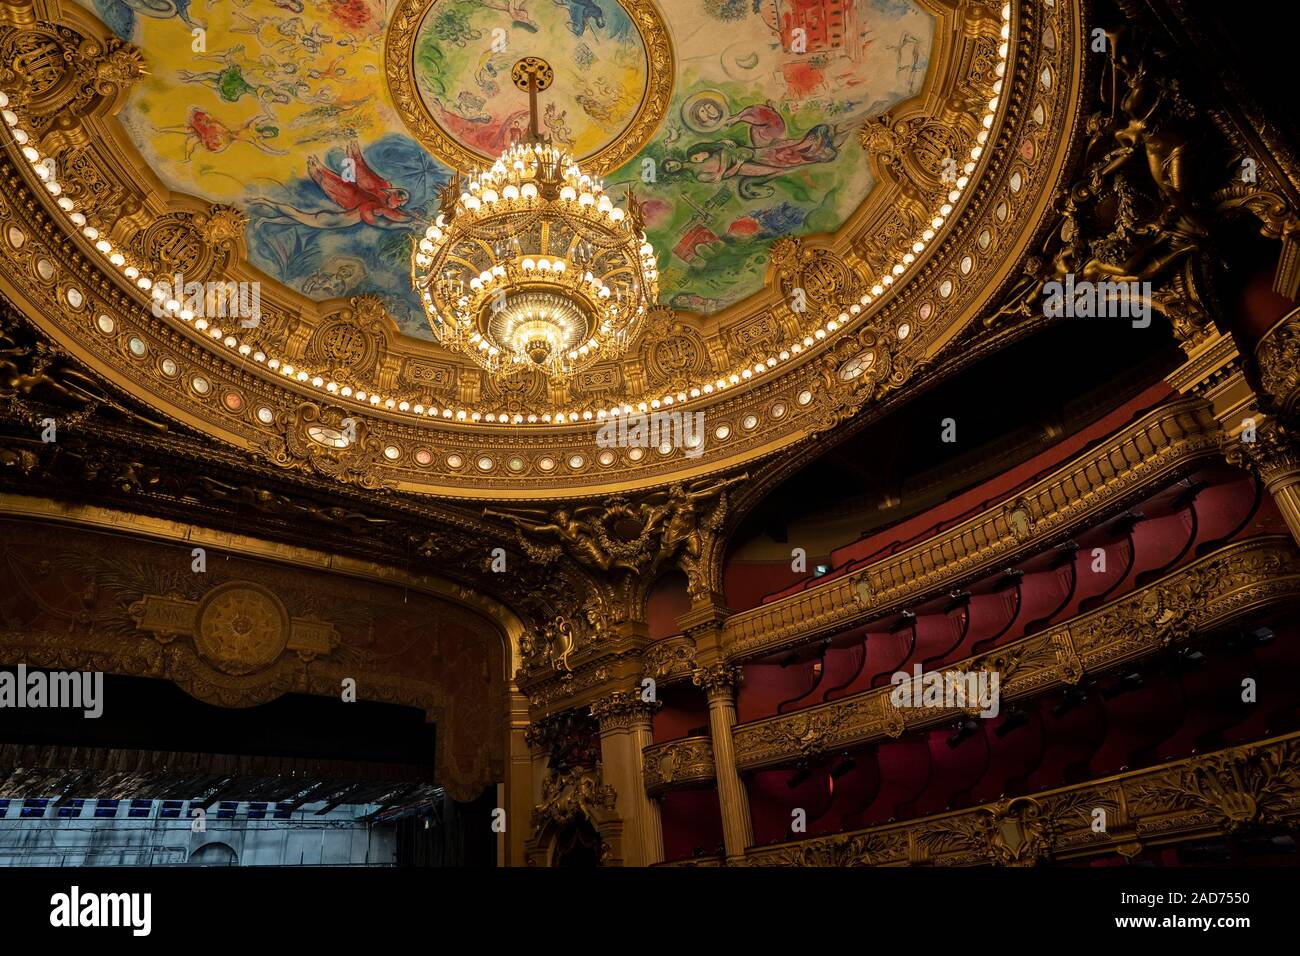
x=717 y=679
x=623 y=709
x=1266 y=447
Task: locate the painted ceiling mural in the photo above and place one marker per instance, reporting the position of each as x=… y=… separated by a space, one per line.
x=281 y=108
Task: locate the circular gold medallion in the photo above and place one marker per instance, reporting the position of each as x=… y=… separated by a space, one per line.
x=242 y=628
x=459 y=74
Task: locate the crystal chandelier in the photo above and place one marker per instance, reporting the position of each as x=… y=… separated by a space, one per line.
x=530 y=264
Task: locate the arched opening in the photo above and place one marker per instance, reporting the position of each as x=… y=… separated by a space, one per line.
x=577 y=845
x=214 y=854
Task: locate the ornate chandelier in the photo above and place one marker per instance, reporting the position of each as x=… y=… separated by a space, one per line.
x=530 y=264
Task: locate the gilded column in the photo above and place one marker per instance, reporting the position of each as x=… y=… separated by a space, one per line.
x=520 y=786
x=719 y=683
x=625 y=731
x=1274 y=455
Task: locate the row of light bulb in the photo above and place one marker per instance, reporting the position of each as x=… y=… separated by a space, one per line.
x=511 y=178
x=434 y=234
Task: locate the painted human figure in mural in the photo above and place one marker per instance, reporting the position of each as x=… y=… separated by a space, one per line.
x=770 y=154
x=362 y=196
x=204 y=129
x=582 y=11
x=230 y=82
x=518 y=10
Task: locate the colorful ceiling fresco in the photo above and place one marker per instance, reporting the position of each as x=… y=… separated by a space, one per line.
x=281 y=107
x=462 y=59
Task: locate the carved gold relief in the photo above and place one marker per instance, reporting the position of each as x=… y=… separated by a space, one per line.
x=1253 y=785
x=678 y=763
x=239 y=627
x=327 y=441
x=90 y=172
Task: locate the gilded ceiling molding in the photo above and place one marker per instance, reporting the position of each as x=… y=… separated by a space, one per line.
x=1228 y=791
x=1164 y=443
x=748 y=369
x=108 y=449
x=678 y=763
x=1207 y=593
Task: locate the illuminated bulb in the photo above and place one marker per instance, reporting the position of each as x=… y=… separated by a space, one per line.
x=529 y=191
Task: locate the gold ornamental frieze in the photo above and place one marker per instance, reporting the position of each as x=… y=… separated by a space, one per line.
x=752 y=370
x=238 y=628
x=1200 y=797
x=678 y=763
x=1209 y=592
x=1115 y=474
